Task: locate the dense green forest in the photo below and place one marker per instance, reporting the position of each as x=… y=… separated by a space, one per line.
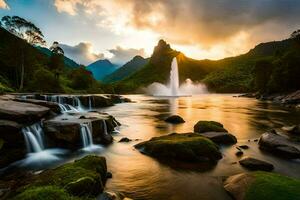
x=27 y=66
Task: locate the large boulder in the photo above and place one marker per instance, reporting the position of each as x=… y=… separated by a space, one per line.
x=209 y=126
x=85 y=178
x=279 y=145
x=220 y=137
x=187 y=147
x=262 y=185
x=13 y=145
x=255 y=164
x=65 y=131
x=174 y=119
x=96 y=101
x=52 y=105
x=22 y=112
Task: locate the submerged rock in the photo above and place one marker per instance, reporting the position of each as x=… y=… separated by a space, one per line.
x=85 y=178
x=262 y=185
x=209 y=126
x=295 y=129
x=278 y=145
x=220 y=137
x=22 y=112
x=174 y=119
x=125 y=139
x=187 y=147
x=255 y=164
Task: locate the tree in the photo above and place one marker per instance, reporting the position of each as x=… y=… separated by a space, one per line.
x=56 y=63
x=262 y=73
x=25 y=30
x=296 y=36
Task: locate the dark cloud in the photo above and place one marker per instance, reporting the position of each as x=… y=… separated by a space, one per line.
x=122 y=55
x=81 y=53
x=212 y=21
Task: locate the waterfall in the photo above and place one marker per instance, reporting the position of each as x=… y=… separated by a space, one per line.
x=174 y=78
x=78 y=103
x=104 y=127
x=90 y=103
x=34 y=138
x=86 y=134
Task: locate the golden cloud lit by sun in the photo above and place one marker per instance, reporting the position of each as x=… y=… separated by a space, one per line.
x=197 y=28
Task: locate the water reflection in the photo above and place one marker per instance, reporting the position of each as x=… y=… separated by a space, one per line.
x=141 y=177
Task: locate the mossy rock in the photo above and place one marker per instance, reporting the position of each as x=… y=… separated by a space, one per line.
x=263 y=185
x=84 y=185
x=84 y=177
x=209 y=126
x=45 y=193
x=187 y=147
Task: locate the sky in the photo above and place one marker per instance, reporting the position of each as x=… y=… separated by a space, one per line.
x=89 y=30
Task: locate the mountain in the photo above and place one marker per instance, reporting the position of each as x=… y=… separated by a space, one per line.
x=158 y=69
x=101 y=68
x=68 y=62
x=233 y=74
x=126 y=70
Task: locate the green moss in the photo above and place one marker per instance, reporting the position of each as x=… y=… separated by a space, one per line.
x=45 y=193
x=84 y=177
x=273 y=186
x=187 y=147
x=209 y=126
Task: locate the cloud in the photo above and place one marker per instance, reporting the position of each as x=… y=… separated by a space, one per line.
x=3 y=5
x=81 y=53
x=206 y=24
x=122 y=55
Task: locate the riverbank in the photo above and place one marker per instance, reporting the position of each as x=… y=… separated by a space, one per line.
x=291 y=99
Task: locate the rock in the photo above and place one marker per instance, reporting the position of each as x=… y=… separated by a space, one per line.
x=109 y=175
x=10 y=131
x=220 y=137
x=67 y=133
x=13 y=146
x=174 y=119
x=125 y=139
x=208 y=126
x=187 y=147
x=244 y=146
x=262 y=185
x=108 y=195
x=84 y=177
x=255 y=164
x=295 y=129
x=278 y=145
x=98 y=101
x=22 y=112
x=84 y=185
x=239 y=153
x=255 y=140
x=51 y=105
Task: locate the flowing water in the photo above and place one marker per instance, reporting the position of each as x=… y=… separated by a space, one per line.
x=142 y=177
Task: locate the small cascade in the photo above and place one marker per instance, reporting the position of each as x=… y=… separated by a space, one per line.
x=86 y=134
x=104 y=127
x=34 y=138
x=78 y=104
x=90 y=102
